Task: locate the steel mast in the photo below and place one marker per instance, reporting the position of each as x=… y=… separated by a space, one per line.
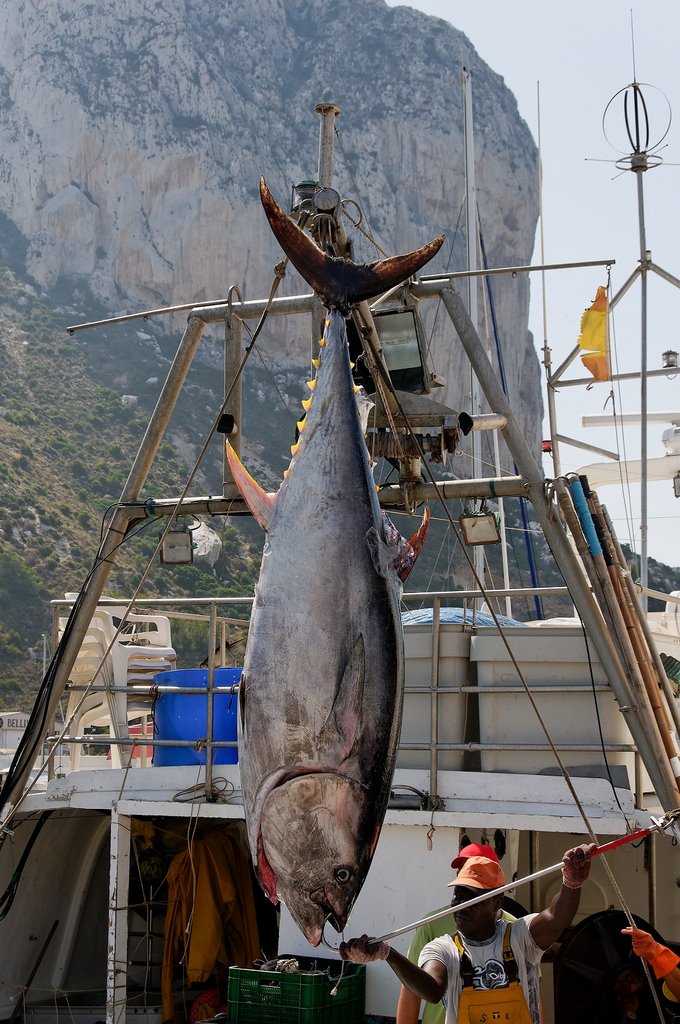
x=641 y=159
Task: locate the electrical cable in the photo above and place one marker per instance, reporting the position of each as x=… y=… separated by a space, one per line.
x=7 y=897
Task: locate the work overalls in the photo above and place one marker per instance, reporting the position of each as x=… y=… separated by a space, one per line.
x=486 y=1006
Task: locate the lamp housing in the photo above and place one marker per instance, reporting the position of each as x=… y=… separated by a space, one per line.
x=177 y=547
x=480 y=528
x=401 y=339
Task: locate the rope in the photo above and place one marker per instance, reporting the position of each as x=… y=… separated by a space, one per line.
x=357 y=224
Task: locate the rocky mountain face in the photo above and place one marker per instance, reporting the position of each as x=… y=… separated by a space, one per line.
x=133 y=135
x=132 y=139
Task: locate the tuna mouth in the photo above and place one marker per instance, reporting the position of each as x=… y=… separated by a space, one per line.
x=332 y=917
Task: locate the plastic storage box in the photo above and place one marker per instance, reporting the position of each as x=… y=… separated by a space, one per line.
x=556 y=659
x=273 y=997
x=420 y=671
x=179 y=716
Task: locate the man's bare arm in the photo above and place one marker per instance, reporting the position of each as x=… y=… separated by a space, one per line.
x=428 y=983
x=547 y=926
x=408 y=1007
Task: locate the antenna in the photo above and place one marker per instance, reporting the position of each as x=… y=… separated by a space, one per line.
x=642 y=156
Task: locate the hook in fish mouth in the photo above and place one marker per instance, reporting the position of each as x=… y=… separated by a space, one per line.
x=323 y=941
x=329 y=916
x=319 y=897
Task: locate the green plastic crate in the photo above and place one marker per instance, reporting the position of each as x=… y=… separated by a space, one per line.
x=272 y=997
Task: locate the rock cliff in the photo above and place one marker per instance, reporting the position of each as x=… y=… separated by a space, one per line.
x=132 y=137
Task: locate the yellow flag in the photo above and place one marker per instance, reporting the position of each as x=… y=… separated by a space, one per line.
x=593 y=339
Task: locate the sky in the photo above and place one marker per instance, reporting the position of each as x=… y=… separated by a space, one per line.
x=572 y=59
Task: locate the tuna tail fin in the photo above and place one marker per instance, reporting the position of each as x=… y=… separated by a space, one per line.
x=339 y=282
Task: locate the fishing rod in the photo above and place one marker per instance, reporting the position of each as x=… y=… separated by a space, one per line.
x=665 y=824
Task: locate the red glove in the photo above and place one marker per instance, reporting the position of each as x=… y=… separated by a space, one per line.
x=364 y=950
x=576 y=865
x=661 y=959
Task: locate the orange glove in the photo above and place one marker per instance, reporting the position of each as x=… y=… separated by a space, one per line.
x=661 y=959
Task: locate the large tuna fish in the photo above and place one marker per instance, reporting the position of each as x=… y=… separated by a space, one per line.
x=321 y=691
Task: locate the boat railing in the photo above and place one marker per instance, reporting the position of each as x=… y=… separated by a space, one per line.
x=452 y=706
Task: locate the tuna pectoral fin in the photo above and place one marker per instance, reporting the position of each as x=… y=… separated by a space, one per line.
x=392 y=553
x=411 y=548
x=258 y=501
x=342 y=729
x=340 y=282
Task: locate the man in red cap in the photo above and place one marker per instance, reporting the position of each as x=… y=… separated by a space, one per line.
x=487 y=970
x=408 y=1005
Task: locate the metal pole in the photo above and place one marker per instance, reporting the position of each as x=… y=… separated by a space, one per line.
x=119 y=882
x=233 y=354
x=209 y=726
x=553 y=869
x=651 y=878
x=614 y=844
x=658 y=768
x=426 y=289
x=471 y=226
x=115 y=534
x=328 y=113
x=547 y=352
x=434 y=695
x=665 y=683
x=639 y=165
x=534 y=860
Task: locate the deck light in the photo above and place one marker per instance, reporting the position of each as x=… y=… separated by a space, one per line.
x=401 y=338
x=302 y=196
x=177 y=547
x=480 y=528
x=669 y=360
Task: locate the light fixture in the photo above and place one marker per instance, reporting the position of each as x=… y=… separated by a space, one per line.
x=480 y=528
x=177 y=547
x=676 y=485
x=227 y=425
x=302 y=196
x=669 y=360
x=401 y=340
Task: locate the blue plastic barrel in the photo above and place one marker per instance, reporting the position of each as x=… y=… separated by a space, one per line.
x=182 y=716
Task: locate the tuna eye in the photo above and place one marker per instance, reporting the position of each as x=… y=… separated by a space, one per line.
x=342 y=875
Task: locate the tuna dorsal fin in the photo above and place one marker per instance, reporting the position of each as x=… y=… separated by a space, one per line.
x=258 y=500
x=343 y=727
x=407 y=550
x=340 y=282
